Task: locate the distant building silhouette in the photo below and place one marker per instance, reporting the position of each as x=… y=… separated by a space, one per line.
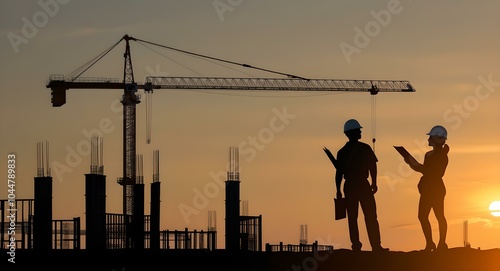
x=37 y=230
x=466 y=233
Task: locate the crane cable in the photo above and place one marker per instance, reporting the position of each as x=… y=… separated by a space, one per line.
x=149 y=99
x=227 y=67
x=373 y=118
x=149 y=115
x=188 y=68
x=91 y=63
x=221 y=60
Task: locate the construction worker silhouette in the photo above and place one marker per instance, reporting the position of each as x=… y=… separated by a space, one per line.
x=431 y=186
x=356 y=161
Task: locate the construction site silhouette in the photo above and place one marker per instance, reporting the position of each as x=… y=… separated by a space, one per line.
x=134 y=240
x=111 y=241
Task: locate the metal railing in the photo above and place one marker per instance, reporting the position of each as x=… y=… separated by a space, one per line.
x=297 y=248
x=66 y=233
x=60 y=77
x=204 y=240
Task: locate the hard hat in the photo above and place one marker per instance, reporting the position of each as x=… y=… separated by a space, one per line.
x=351 y=125
x=438 y=130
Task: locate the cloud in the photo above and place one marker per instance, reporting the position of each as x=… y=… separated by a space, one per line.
x=468 y=149
x=487 y=223
x=407 y=226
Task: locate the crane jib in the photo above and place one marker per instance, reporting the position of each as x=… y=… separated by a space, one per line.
x=59 y=85
x=276 y=84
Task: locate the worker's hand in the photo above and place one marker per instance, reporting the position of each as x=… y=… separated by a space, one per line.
x=412 y=163
x=374 y=188
x=339 y=194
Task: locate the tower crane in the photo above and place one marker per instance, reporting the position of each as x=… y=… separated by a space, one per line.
x=59 y=84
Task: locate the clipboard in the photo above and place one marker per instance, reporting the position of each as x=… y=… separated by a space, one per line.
x=340 y=208
x=406 y=155
x=330 y=156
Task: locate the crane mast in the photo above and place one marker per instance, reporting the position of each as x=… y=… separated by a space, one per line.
x=129 y=101
x=59 y=84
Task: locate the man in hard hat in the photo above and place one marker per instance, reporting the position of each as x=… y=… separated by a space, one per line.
x=356 y=161
x=431 y=186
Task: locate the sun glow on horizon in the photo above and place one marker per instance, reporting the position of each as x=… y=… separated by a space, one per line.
x=495 y=208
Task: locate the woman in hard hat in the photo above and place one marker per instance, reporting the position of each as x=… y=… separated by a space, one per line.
x=431 y=186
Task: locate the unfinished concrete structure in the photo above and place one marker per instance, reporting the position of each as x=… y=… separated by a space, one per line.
x=37 y=230
x=242 y=232
x=95 y=199
x=42 y=224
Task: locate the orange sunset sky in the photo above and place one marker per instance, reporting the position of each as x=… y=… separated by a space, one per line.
x=448 y=50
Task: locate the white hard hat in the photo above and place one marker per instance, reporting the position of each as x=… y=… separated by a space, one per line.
x=438 y=130
x=351 y=125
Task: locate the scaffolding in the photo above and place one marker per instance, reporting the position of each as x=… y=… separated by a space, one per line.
x=116 y=227
x=17 y=222
x=251 y=233
x=186 y=239
x=66 y=233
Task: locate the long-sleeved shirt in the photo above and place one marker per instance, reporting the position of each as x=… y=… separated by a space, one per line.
x=433 y=169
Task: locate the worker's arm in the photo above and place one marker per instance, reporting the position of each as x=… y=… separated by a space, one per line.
x=438 y=167
x=373 y=174
x=414 y=164
x=338 y=181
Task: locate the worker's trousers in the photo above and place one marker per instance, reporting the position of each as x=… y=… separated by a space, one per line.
x=358 y=192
